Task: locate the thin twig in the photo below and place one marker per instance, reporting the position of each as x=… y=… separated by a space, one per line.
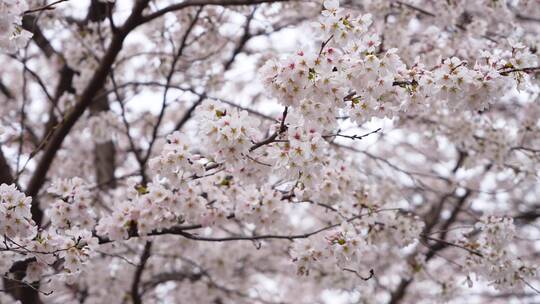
x=47 y=7
x=371 y=274
x=352 y=136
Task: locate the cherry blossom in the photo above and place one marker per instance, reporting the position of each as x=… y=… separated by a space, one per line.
x=269 y=151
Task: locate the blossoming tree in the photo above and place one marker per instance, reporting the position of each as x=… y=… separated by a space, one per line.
x=269 y=151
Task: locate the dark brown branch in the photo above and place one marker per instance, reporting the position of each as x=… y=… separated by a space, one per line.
x=4 y=90
x=528 y=216
x=6 y=176
x=527 y=18
x=371 y=274
x=398 y=294
x=324 y=43
x=135 y=295
x=99 y=11
x=181 y=230
x=27 y=293
x=185 y=4
x=525 y=70
x=243 y=40
x=416 y=8
x=445 y=227
x=353 y=137
x=272 y=138
x=47 y=7
x=187 y=116
x=446 y=243
x=172 y=231
x=29 y=23
x=291 y=237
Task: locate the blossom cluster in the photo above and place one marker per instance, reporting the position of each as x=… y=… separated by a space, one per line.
x=176 y=161
x=300 y=154
x=345 y=246
x=15 y=217
x=495 y=259
x=229 y=132
x=12 y=35
x=73 y=247
x=145 y=209
x=349 y=73
x=279 y=189
x=69 y=238
x=72 y=206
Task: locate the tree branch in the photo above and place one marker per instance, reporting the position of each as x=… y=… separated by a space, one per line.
x=135 y=295
x=272 y=138
x=179 y=6
x=96 y=83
